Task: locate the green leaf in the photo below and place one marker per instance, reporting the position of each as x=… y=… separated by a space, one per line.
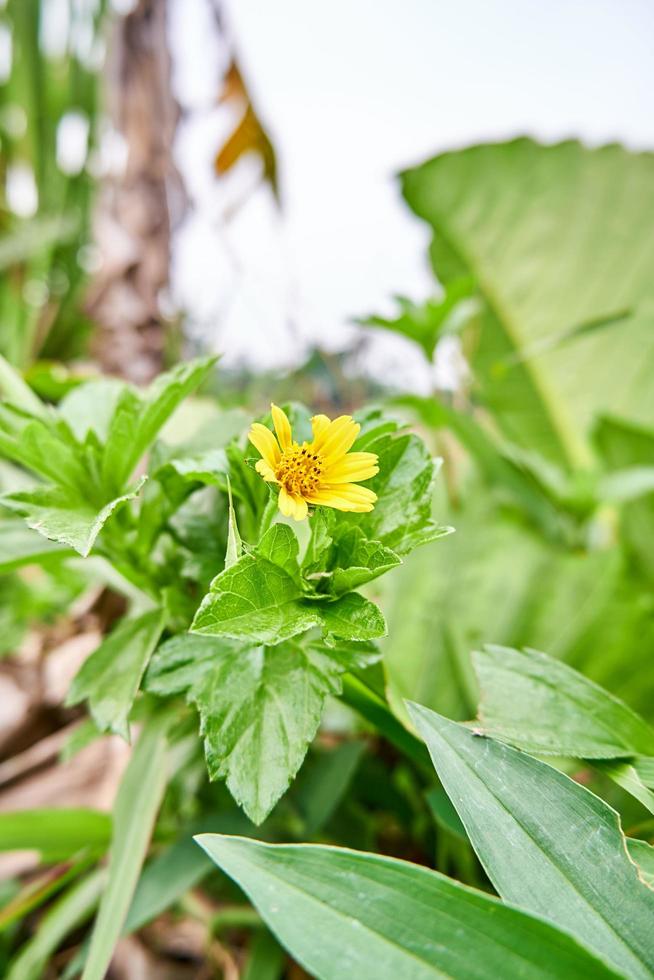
x=267 y=959
x=642 y=854
x=628 y=776
x=57 y=834
x=63 y=515
x=401 y=518
x=545 y=707
x=425 y=323
x=343 y=913
x=164 y=881
x=234 y=543
x=259 y=708
x=530 y=223
x=258 y=598
x=280 y=546
x=45 y=445
x=139 y=797
x=109 y=679
x=21 y=546
x=89 y=407
x=16 y=390
x=261 y=598
x=352 y=618
x=623 y=445
x=63 y=917
x=357 y=560
x=498 y=581
x=548 y=844
x=159 y=402
x=323 y=785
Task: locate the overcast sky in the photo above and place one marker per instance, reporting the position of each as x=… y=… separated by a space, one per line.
x=352 y=91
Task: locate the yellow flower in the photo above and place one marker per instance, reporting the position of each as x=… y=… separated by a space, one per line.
x=322 y=472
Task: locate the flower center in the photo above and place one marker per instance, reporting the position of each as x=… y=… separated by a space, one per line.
x=299 y=470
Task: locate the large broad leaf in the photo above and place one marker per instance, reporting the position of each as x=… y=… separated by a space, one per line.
x=548 y=844
x=344 y=913
x=559 y=242
x=64 y=515
x=622 y=445
x=259 y=707
x=545 y=707
x=138 y=801
x=111 y=676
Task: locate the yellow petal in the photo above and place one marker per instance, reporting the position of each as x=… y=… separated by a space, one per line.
x=353 y=468
x=351 y=491
x=263 y=440
x=282 y=427
x=346 y=496
x=265 y=470
x=335 y=440
x=292 y=505
x=319 y=424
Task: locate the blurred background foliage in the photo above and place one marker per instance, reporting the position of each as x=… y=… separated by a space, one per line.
x=544 y=287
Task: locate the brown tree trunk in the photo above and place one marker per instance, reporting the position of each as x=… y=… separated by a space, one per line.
x=139 y=203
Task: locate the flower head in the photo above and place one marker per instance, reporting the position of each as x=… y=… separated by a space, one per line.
x=322 y=471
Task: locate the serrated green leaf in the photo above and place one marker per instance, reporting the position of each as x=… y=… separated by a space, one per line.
x=401 y=518
x=548 y=844
x=117 y=453
x=344 y=913
x=352 y=617
x=261 y=598
x=109 y=679
x=543 y=706
x=260 y=708
x=280 y=546
x=64 y=515
x=44 y=445
x=356 y=560
x=90 y=407
x=159 y=402
x=425 y=323
x=257 y=600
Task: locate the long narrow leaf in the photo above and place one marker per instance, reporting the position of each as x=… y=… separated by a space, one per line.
x=344 y=913
x=139 y=798
x=548 y=844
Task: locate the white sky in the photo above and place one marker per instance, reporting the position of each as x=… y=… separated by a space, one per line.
x=351 y=91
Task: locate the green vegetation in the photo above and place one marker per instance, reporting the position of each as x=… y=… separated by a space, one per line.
x=356 y=744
